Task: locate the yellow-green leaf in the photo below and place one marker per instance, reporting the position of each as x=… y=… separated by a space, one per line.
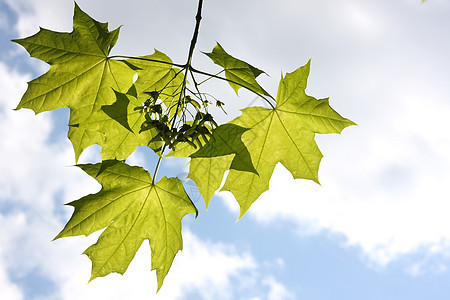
x=133 y=209
x=240 y=73
x=284 y=134
x=120 y=125
x=222 y=152
x=155 y=72
x=226 y=139
x=81 y=75
x=207 y=173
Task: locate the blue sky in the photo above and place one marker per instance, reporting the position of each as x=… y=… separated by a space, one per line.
x=376 y=228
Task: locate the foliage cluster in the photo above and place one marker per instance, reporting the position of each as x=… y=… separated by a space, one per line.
x=164 y=109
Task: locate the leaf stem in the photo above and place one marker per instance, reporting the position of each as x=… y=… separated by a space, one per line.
x=198 y=18
x=148 y=59
x=232 y=81
x=188 y=65
x=157 y=168
x=209 y=78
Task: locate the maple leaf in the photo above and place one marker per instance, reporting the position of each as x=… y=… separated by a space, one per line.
x=207 y=173
x=157 y=74
x=120 y=125
x=81 y=76
x=225 y=150
x=226 y=139
x=240 y=73
x=133 y=209
x=82 y=138
x=284 y=134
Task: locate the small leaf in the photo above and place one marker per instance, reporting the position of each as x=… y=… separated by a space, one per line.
x=227 y=140
x=223 y=152
x=153 y=76
x=132 y=209
x=239 y=72
x=207 y=173
x=82 y=138
x=120 y=124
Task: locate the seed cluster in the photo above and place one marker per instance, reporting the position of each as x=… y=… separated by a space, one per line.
x=187 y=125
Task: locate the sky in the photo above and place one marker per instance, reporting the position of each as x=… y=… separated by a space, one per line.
x=376 y=228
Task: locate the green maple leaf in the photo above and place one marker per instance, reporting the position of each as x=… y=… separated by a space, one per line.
x=156 y=73
x=224 y=151
x=240 y=73
x=284 y=134
x=81 y=76
x=133 y=209
x=81 y=139
x=226 y=139
x=207 y=173
x=120 y=125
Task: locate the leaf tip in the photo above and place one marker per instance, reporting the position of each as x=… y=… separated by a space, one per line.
x=57 y=237
x=308 y=65
x=348 y=124
x=207 y=200
x=76 y=6
x=160 y=276
x=159 y=287
x=92 y=278
x=243 y=210
x=316 y=180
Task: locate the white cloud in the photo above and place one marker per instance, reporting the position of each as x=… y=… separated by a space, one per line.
x=8 y=290
x=383 y=189
x=202 y=267
x=209 y=270
x=277 y=291
x=365 y=20
x=37 y=168
x=44 y=13
x=4 y=21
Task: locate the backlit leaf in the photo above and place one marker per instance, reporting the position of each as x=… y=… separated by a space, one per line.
x=224 y=151
x=81 y=75
x=284 y=134
x=155 y=76
x=239 y=72
x=132 y=209
x=207 y=173
x=120 y=125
